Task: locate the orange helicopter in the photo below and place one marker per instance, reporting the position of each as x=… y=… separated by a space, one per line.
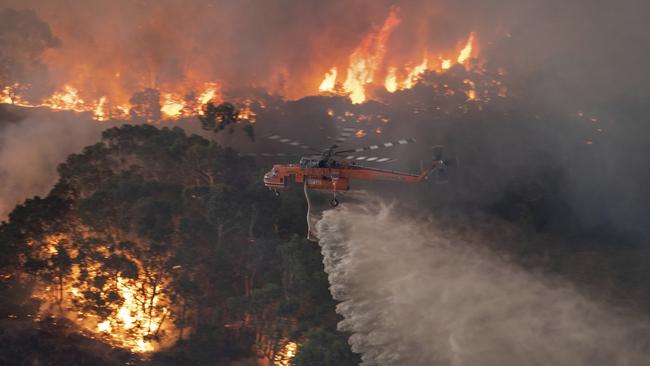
x=333 y=169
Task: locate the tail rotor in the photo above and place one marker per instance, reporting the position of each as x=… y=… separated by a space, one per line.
x=442 y=169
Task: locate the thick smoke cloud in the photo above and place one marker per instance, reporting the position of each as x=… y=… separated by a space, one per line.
x=414 y=292
x=30 y=151
x=23 y=40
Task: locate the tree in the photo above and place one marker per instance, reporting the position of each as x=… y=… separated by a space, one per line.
x=146 y=105
x=159 y=235
x=325 y=348
x=216 y=118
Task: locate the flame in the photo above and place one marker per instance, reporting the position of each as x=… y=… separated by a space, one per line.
x=466 y=52
x=67 y=99
x=391 y=80
x=415 y=74
x=209 y=94
x=136 y=320
x=366 y=62
x=172 y=106
x=367 y=58
x=106 y=93
x=329 y=81
x=100 y=112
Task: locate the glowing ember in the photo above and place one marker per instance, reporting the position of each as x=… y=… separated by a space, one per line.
x=283 y=358
x=246 y=113
x=445 y=64
x=471 y=92
x=328 y=83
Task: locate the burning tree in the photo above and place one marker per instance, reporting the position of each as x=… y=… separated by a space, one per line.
x=217 y=117
x=153 y=238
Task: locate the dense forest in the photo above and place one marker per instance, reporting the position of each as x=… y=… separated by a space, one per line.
x=156 y=240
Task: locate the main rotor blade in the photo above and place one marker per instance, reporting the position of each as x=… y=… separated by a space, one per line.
x=291 y=142
x=345 y=134
x=279 y=155
x=370 y=159
x=385 y=145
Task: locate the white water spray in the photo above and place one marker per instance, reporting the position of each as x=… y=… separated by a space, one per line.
x=410 y=296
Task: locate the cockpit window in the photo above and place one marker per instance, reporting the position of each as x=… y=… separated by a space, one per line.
x=308 y=163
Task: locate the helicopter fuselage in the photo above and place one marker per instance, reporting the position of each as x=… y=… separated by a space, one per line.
x=336 y=176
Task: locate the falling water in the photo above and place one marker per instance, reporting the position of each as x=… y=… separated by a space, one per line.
x=411 y=295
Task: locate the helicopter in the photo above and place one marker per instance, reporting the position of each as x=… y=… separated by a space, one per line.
x=333 y=169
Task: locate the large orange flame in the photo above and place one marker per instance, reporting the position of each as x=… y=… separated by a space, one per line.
x=366 y=63
x=366 y=60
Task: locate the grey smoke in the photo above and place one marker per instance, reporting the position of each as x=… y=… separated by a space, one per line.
x=414 y=293
x=31 y=150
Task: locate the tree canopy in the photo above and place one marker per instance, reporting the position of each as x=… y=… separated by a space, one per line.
x=170 y=242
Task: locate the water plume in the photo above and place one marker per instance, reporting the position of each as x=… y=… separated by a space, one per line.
x=412 y=292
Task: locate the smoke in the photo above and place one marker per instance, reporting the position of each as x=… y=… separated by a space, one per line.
x=413 y=292
x=30 y=151
x=577 y=48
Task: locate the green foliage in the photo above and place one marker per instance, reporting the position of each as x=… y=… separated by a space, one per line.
x=325 y=348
